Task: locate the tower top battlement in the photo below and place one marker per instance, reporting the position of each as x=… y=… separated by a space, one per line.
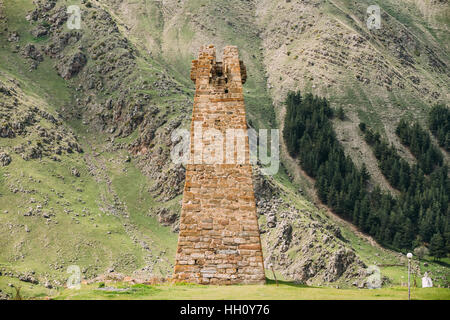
x=207 y=67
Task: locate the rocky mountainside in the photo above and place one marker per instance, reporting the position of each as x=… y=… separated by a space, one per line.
x=87 y=117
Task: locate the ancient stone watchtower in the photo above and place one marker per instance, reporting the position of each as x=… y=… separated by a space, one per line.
x=219 y=240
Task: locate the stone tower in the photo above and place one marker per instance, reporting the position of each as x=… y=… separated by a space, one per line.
x=219 y=240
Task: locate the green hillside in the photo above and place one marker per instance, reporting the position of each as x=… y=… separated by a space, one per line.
x=86 y=118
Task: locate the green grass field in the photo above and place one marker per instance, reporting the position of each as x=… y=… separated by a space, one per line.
x=270 y=291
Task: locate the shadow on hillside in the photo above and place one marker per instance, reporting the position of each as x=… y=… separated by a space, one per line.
x=442 y=263
x=286 y=283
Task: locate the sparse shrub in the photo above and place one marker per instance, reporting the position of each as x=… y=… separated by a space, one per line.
x=362 y=126
x=45 y=24
x=421 y=252
x=340 y=113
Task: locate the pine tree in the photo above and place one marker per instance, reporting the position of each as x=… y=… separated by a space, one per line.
x=439 y=124
x=437 y=246
x=365 y=173
x=362 y=126
x=340 y=113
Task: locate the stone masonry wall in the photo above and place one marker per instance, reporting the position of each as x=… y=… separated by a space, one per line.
x=219 y=241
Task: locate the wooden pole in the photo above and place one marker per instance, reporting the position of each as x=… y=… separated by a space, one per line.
x=274 y=276
x=409 y=285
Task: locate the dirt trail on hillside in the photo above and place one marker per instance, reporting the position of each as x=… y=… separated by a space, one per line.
x=110 y=203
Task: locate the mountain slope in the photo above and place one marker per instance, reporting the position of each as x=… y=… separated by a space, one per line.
x=121 y=85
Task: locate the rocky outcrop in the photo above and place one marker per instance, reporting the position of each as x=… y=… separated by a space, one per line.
x=30 y=51
x=166 y=217
x=339 y=262
x=39 y=31
x=72 y=65
x=111 y=72
x=300 y=244
x=75 y=172
x=6 y=131
x=13 y=37
x=4 y=295
x=42 y=133
x=5 y=159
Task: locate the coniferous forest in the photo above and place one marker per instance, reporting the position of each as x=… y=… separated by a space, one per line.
x=439 y=124
x=419 y=143
x=418 y=215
